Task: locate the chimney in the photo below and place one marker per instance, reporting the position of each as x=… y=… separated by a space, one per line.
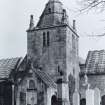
x=31 y=26
x=74 y=24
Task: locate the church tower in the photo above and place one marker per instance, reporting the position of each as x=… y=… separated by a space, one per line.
x=53 y=46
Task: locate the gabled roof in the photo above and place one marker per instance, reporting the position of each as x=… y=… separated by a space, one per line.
x=23 y=70
x=46 y=78
x=7 y=65
x=95 y=62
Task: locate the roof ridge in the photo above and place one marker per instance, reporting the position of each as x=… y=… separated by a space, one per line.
x=97 y=50
x=10 y=58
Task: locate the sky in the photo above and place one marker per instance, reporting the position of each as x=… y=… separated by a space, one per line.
x=14 y=21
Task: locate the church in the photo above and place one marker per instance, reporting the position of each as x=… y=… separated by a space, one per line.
x=51 y=71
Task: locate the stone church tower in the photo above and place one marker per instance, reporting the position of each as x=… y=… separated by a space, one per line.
x=53 y=46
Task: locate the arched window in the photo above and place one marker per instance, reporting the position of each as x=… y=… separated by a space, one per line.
x=31 y=84
x=44 y=39
x=58 y=69
x=48 y=39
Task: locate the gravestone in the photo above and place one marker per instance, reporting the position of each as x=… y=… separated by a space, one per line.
x=90 y=97
x=76 y=98
x=97 y=97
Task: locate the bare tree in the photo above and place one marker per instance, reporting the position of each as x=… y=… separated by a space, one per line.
x=92 y=4
x=87 y=5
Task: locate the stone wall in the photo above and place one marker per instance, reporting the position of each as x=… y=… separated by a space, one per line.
x=95 y=81
x=52 y=56
x=72 y=52
x=59 y=53
x=50 y=92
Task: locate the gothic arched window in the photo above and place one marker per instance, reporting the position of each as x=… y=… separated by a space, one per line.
x=44 y=39
x=48 y=39
x=31 y=84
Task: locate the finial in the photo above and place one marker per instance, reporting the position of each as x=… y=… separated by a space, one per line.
x=31 y=26
x=74 y=24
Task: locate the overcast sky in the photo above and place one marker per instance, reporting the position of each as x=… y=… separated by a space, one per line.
x=14 y=21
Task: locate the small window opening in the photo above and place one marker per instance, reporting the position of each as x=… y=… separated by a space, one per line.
x=48 y=39
x=58 y=69
x=49 y=10
x=44 y=40
x=31 y=84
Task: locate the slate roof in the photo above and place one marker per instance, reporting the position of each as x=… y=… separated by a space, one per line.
x=95 y=62
x=7 y=65
x=46 y=78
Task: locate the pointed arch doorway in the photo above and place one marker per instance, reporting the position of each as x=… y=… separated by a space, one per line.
x=54 y=100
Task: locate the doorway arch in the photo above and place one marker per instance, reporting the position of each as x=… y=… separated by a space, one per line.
x=54 y=100
x=83 y=101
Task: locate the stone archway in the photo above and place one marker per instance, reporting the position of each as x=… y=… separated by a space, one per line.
x=103 y=100
x=83 y=101
x=54 y=100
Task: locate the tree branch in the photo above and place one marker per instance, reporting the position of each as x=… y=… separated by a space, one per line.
x=91 y=4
